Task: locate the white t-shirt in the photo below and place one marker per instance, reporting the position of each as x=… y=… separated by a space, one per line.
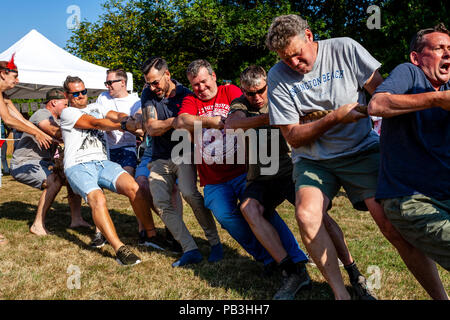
x=83 y=145
x=129 y=105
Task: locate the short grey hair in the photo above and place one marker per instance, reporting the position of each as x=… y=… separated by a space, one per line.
x=195 y=66
x=252 y=76
x=283 y=28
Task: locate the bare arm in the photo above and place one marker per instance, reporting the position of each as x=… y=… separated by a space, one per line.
x=133 y=125
x=186 y=121
x=153 y=126
x=115 y=116
x=238 y=120
x=374 y=81
x=12 y=117
x=298 y=135
x=50 y=127
x=89 y=122
x=387 y=105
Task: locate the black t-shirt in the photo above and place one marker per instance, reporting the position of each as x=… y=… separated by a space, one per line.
x=166 y=108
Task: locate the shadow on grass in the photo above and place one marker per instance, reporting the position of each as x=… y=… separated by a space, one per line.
x=58 y=220
x=239 y=274
x=243 y=277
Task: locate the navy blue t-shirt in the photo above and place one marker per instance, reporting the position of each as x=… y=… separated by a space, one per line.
x=415 y=147
x=166 y=108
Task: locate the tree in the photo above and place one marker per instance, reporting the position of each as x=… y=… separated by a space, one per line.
x=230 y=34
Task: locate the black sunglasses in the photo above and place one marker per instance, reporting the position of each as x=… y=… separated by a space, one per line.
x=110 y=82
x=77 y=93
x=254 y=93
x=156 y=82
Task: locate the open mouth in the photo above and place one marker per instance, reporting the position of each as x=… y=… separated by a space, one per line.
x=445 y=67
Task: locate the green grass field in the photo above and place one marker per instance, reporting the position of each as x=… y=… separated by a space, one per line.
x=34 y=267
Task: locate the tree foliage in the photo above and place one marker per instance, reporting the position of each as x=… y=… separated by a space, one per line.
x=231 y=34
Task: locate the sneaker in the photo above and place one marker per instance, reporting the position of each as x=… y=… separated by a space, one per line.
x=361 y=291
x=98 y=240
x=291 y=284
x=189 y=257
x=126 y=257
x=155 y=242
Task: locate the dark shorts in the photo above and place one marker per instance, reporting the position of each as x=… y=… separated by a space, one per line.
x=125 y=156
x=424 y=222
x=270 y=193
x=357 y=173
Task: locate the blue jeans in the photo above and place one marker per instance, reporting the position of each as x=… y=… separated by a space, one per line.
x=222 y=198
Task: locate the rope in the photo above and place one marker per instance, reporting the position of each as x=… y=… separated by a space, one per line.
x=316 y=115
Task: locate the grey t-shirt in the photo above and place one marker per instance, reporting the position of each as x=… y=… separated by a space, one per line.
x=27 y=148
x=338 y=76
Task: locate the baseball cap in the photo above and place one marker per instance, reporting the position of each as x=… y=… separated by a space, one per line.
x=54 y=93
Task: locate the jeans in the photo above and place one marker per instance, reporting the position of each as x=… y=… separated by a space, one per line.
x=222 y=198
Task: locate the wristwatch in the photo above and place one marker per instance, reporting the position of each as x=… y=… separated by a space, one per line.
x=123 y=124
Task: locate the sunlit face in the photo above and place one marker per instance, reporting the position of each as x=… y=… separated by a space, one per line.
x=59 y=105
x=78 y=102
x=10 y=79
x=117 y=88
x=256 y=95
x=204 y=84
x=158 y=82
x=434 y=59
x=300 y=54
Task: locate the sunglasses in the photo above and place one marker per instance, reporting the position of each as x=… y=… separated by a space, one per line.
x=110 y=82
x=77 y=93
x=254 y=93
x=156 y=82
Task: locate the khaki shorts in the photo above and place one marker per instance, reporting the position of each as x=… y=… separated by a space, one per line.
x=424 y=222
x=357 y=173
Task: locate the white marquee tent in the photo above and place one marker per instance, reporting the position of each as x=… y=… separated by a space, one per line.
x=43 y=65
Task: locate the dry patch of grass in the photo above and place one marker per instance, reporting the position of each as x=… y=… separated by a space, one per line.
x=37 y=267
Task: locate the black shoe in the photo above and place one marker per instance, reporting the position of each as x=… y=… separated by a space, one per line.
x=98 y=240
x=155 y=242
x=174 y=245
x=269 y=269
x=361 y=290
x=292 y=283
x=126 y=257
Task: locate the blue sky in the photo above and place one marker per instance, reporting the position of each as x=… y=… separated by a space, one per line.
x=49 y=17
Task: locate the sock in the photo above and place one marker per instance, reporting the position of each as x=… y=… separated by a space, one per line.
x=192 y=256
x=287 y=265
x=352 y=271
x=216 y=253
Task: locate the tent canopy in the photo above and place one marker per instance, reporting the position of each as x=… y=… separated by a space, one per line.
x=43 y=65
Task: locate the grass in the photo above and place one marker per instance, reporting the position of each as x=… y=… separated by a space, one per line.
x=34 y=267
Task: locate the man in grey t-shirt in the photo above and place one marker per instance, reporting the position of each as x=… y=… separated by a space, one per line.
x=338 y=150
x=30 y=163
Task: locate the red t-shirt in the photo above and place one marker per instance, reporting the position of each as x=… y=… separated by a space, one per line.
x=215 y=172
